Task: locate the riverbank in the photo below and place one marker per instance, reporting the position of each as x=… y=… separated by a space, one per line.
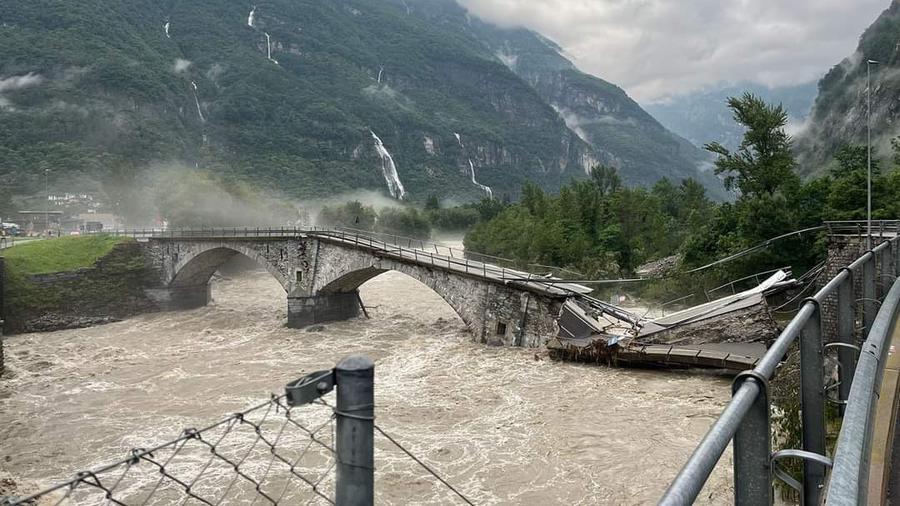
x=73 y=282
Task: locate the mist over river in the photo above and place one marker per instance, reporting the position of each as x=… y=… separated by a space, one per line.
x=505 y=426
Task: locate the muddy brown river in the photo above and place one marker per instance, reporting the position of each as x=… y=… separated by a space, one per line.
x=505 y=426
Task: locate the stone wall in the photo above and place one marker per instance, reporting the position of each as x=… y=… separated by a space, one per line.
x=843 y=250
x=111 y=289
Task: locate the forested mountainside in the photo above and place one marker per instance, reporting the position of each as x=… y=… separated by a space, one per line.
x=839 y=114
x=306 y=97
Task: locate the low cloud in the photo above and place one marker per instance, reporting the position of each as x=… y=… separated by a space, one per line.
x=181 y=65
x=18 y=82
x=14 y=83
x=659 y=48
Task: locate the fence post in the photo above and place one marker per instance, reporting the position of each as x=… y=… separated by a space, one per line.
x=753 y=447
x=355 y=432
x=812 y=403
x=846 y=321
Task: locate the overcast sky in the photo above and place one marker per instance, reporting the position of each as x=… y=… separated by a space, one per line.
x=656 y=48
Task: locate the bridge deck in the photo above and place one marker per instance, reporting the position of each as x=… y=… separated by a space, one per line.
x=500 y=275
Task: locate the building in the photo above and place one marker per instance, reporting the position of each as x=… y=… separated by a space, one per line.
x=39 y=222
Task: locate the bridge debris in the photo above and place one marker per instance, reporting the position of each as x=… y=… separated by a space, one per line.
x=730 y=333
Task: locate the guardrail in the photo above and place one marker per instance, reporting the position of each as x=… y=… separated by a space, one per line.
x=746 y=418
x=758 y=278
x=848 y=484
x=860 y=228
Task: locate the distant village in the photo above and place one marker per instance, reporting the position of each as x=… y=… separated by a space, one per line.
x=62 y=214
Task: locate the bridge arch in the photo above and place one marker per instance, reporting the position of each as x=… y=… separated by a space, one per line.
x=437 y=282
x=196 y=266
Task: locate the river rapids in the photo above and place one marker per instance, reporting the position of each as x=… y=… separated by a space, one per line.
x=505 y=426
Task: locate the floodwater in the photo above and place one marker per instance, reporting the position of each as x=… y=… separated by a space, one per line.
x=505 y=426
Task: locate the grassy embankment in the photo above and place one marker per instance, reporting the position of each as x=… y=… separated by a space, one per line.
x=122 y=272
x=59 y=255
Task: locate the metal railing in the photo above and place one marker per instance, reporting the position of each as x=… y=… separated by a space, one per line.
x=453 y=261
x=746 y=418
x=757 y=278
x=859 y=228
x=849 y=479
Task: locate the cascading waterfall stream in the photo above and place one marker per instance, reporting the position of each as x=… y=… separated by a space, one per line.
x=197 y=101
x=269 y=49
x=487 y=189
x=389 y=169
x=251 y=17
x=166 y=28
x=380 y=72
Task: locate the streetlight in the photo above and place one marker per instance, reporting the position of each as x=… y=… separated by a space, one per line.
x=869 y=64
x=47 y=203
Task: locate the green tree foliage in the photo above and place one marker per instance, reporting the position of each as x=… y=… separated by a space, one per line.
x=596 y=227
x=603 y=229
x=350 y=215
x=764 y=163
x=407 y=221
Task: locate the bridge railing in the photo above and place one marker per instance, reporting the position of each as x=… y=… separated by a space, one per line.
x=463 y=254
x=409 y=243
x=732 y=286
x=860 y=228
x=746 y=419
x=451 y=259
x=849 y=479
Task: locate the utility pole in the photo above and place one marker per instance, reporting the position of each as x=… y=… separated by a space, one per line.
x=869 y=64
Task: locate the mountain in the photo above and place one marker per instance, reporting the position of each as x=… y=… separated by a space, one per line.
x=839 y=114
x=703 y=116
x=309 y=98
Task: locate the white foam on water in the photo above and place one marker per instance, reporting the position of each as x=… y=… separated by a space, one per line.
x=504 y=425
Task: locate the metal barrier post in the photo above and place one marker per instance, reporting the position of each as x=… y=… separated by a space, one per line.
x=812 y=403
x=753 y=447
x=846 y=321
x=870 y=307
x=355 y=432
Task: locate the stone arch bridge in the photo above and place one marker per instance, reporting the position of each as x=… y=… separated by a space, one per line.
x=321 y=272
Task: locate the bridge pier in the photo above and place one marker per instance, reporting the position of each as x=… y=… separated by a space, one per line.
x=174 y=298
x=323 y=308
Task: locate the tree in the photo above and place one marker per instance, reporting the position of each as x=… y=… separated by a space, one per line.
x=764 y=163
x=432 y=203
x=606 y=178
x=847 y=197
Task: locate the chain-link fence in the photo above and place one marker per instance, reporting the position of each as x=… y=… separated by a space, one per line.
x=271 y=453
x=313 y=445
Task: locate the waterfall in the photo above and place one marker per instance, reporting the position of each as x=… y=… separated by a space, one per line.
x=391 y=177
x=197 y=101
x=487 y=189
x=269 y=49
x=380 y=71
x=166 y=28
x=458 y=139
x=252 y=17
